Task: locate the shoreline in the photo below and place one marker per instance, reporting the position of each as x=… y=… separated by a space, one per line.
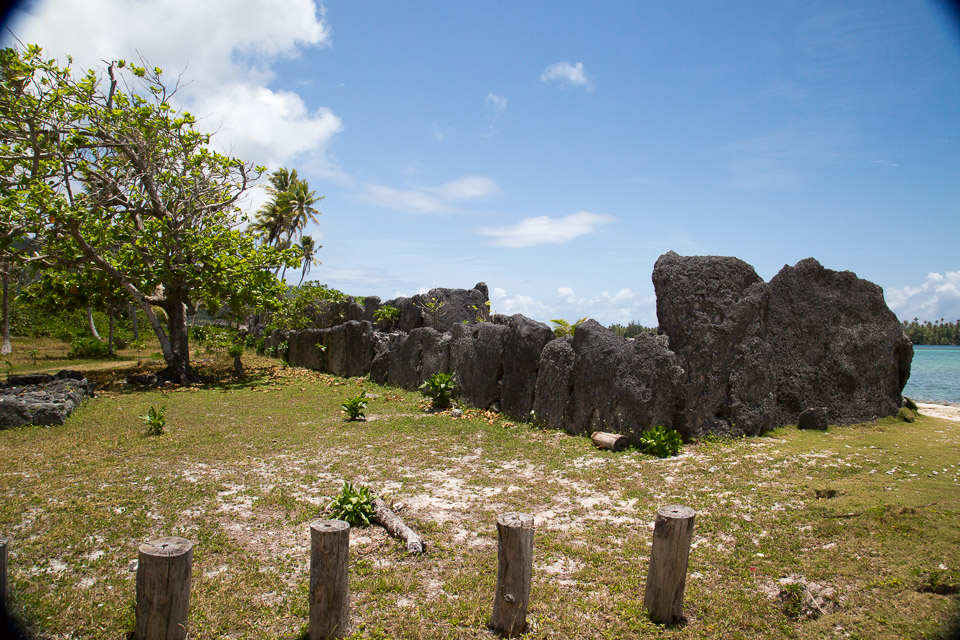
x=945 y=411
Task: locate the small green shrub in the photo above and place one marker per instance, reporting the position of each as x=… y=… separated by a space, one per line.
x=155 y=420
x=910 y=404
x=386 y=313
x=660 y=442
x=235 y=350
x=354 y=505
x=355 y=406
x=88 y=347
x=906 y=414
x=564 y=328
x=791 y=599
x=439 y=388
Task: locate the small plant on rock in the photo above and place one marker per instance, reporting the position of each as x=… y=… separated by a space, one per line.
x=155 y=420
x=354 y=505
x=660 y=442
x=564 y=328
x=385 y=314
x=354 y=407
x=439 y=388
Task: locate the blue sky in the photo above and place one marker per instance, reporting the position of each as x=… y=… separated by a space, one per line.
x=555 y=149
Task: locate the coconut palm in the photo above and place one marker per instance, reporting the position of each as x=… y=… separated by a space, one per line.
x=307 y=250
x=299 y=200
x=274 y=218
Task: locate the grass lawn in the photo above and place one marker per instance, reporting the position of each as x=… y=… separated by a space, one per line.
x=245 y=466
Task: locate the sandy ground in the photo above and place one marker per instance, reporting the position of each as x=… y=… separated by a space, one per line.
x=948 y=412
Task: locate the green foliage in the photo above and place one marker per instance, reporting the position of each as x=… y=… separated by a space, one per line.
x=88 y=347
x=386 y=313
x=434 y=307
x=355 y=406
x=660 y=442
x=439 y=388
x=155 y=420
x=564 y=328
x=354 y=505
x=939 y=332
x=235 y=350
x=791 y=598
x=632 y=330
x=298 y=306
x=910 y=404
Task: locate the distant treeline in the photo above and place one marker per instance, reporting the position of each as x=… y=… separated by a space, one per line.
x=939 y=332
x=632 y=330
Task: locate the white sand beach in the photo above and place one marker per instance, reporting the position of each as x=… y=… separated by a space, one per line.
x=945 y=411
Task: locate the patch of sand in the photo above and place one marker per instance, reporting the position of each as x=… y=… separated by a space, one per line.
x=947 y=412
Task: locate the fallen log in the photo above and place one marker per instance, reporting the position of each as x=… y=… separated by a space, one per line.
x=611 y=441
x=386 y=518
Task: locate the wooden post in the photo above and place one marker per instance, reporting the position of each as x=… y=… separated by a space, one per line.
x=667 y=576
x=329 y=584
x=163 y=589
x=4 y=543
x=612 y=441
x=514 y=570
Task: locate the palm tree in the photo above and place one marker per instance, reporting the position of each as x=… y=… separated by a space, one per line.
x=273 y=219
x=300 y=200
x=307 y=250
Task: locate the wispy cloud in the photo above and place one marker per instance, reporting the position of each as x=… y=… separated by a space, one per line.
x=500 y=302
x=440 y=199
x=226 y=70
x=938 y=297
x=530 y=232
x=567 y=75
x=439 y=132
x=621 y=307
x=497 y=103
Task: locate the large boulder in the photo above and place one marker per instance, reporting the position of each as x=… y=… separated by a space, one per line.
x=476 y=358
x=442 y=308
x=349 y=348
x=712 y=310
x=757 y=354
x=407 y=359
x=835 y=344
x=523 y=344
x=599 y=381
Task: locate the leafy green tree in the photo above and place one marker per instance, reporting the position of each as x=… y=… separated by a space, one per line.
x=142 y=198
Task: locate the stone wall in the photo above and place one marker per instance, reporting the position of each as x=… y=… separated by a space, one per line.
x=737 y=355
x=42 y=399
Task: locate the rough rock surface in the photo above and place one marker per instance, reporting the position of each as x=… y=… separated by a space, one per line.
x=349 y=349
x=407 y=359
x=458 y=306
x=522 y=346
x=814 y=418
x=835 y=344
x=757 y=354
x=476 y=358
x=712 y=308
x=42 y=399
x=598 y=381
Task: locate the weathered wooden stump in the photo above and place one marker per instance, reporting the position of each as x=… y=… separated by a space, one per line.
x=329 y=584
x=667 y=577
x=163 y=589
x=4 y=545
x=514 y=571
x=611 y=441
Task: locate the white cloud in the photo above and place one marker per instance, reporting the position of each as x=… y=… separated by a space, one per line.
x=567 y=75
x=441 y=199
x=567 y=294
x=498 y=103
x=500 y=302
x=530 y=232
x=222 y=49
x=938 y=297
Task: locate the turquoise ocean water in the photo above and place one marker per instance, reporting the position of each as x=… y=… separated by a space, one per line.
x=934 y=375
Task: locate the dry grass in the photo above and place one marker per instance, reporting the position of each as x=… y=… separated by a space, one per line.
x=244 y=466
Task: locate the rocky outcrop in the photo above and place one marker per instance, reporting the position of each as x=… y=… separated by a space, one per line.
x=42 y=399
x=736 y=355
x=835 y=344
x=598 y=381
x=713 y=311
x=757 y=354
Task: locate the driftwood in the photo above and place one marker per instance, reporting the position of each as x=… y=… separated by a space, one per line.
x=386 y=518
x=611 y=441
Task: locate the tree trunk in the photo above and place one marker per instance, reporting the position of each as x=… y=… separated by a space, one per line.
x=237 y=367
x=7 y=347
x=110 y=336
x=396 y=528
x=133 y=318
x=178 y=360
x=93 y=326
